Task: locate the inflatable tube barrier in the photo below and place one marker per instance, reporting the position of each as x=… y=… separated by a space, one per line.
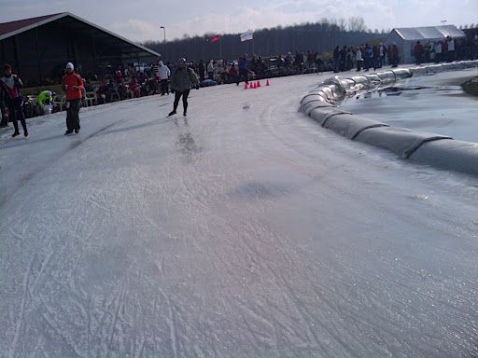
x=387 y=78
x=418 y=71
x=310 y=106
x=425 y=148
x=374 y=82
x=321 y=115
x=450 y=155
x=402 y=73
x=401 y=141
x=312 y=96
x=350 y=125
x=469 y=64
x=431 y=69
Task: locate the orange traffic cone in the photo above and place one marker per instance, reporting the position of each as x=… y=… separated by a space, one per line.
x=252 y=85
x=258 y=83
x=245 y=85
x=267 y=83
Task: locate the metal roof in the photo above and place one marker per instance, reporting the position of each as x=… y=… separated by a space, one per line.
x=430 y=32
x=74 y=23
x=15 y=26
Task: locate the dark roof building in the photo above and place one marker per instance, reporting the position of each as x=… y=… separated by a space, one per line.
x=38 y=48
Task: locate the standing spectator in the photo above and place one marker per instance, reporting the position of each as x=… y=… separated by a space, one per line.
x=359 y=59
x=336 y=59
x=342 y=58
x=201 y=70
x=438 y=52
x=368 y=57
x=182 y=80
x=376 y=57
x=394 y=55
x=210 y=70
x=73 y=86
x=10 y=92
x=382 y=52
x=232 y=74
x=418 y=50
x=243 y=71
x=451 y=49
x=164 y=73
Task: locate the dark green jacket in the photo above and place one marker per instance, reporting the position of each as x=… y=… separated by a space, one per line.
x=183 y=79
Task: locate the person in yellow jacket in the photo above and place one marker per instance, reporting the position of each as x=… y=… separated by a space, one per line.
x=73 y=86
x=45 y=101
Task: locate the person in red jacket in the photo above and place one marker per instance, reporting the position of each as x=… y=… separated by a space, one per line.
x=73 y=86
x=418 y=53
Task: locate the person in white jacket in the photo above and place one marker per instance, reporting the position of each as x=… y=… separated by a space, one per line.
x=359 y=59
x=210 y=69
x=164 y=73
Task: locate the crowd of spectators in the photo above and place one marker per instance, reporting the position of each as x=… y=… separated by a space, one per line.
x=137 y=81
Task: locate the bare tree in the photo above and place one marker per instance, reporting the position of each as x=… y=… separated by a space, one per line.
x=357 y=24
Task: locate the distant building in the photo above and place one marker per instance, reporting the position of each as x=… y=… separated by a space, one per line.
x=38 y=48
x=407 y=37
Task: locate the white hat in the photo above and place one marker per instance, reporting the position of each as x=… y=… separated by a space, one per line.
x=70 y=66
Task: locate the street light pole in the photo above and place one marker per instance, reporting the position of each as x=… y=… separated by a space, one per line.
x=164 y=32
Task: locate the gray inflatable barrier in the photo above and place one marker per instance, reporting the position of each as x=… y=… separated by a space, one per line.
x=322 y=115
x=402 y=73
x=418 y=71
x=312 y=97
x=431 y=69
x=349 y=125
x=426 y=148
x=449 y=154
x=400 y=141
x=374 y=81
x=387 y=78
x=469 y=64
x=310 y=106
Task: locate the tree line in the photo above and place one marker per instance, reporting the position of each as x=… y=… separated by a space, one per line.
x=321 y=37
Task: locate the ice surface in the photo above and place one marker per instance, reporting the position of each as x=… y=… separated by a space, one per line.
x=245 y=231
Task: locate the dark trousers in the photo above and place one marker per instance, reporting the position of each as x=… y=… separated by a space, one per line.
x=177 y=96
x=242 y=74
x=4 y=121
x=15 y=109
x=73 y=114
x=419 y=58
x=164 y=87
x=359 y=65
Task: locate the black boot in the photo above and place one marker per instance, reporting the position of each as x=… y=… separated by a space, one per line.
x=171 y=113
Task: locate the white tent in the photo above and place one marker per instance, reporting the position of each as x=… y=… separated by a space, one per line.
x=407 y=37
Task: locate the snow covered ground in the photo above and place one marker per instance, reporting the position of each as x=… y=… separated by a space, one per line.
x=246 y=230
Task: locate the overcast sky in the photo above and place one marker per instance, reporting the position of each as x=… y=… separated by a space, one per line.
x=140 y=20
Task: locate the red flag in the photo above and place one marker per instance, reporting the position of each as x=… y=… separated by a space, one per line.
x=215 y=39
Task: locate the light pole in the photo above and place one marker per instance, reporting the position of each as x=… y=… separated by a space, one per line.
x=164 y=32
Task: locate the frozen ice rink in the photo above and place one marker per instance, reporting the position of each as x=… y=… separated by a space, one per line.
x=246 y=230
